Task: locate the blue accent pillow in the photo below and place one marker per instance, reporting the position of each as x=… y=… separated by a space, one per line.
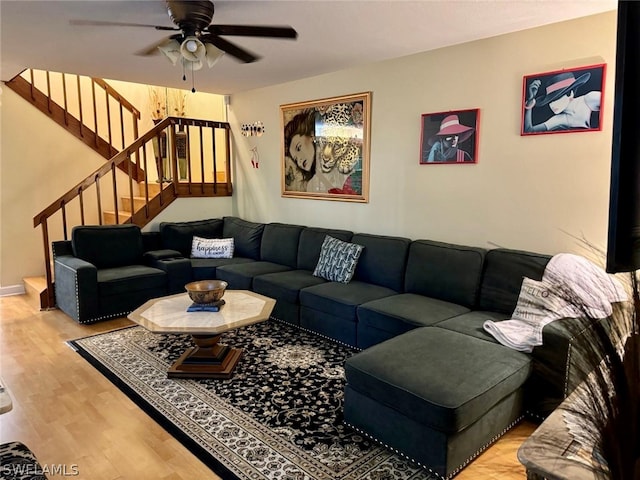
x=338 y=260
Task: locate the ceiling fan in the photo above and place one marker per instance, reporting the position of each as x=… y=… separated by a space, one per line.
x=197 y=34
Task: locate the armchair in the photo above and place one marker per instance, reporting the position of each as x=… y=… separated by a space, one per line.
x=102 y=273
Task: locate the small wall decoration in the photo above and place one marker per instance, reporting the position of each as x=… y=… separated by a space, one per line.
x=255 y=129
x=563 y=101
x=325 y=148
x=450 y=137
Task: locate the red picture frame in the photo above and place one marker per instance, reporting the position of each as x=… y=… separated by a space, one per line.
x=563 y=101
x=450 y=138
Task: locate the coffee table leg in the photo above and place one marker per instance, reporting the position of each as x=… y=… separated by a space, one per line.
x=207 y=359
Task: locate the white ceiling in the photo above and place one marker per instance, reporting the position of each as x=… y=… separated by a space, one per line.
x=332 y=35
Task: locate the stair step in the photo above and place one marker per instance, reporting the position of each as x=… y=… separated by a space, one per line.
x=35 y=288
x=154 y=188
x=109 y=217
x=138 y=203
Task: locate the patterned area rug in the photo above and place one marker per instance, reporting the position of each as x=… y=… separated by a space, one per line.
x=279 y=417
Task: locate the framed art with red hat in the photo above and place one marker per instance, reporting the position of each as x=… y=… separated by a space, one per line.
x=450 y=137
x=563 y=101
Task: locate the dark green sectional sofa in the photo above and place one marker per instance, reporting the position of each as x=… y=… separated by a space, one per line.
x=428 y=382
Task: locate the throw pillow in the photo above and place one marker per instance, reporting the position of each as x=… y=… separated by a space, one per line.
x=211 y=247
x=338 y=260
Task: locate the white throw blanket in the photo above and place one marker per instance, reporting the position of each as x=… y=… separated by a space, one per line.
x=571 y=286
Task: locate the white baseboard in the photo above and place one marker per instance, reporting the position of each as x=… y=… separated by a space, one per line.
x=12 y=290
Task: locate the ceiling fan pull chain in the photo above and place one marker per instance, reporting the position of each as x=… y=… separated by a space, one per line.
x=193 y=80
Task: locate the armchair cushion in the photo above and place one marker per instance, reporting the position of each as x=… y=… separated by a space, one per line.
x=121 y=280
x=108 y=246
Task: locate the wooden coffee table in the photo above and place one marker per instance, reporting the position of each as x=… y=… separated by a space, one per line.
x=207 y=359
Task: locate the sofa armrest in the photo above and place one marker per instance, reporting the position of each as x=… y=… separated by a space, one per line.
x=155 y=255
x=76 y=287
x=62 y=247
x=177 y=268
x=562 y=362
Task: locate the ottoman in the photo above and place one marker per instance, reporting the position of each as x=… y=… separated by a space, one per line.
x=436 y=396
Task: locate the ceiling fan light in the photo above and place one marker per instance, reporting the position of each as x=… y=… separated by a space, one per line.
x=192 y=49
x=191 y=65
x=171 y=49
x=191 y=46
x=213 y=54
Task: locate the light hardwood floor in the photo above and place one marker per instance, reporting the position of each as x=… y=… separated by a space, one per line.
x=69 y=414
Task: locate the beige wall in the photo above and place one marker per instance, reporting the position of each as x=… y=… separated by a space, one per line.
x=534 y=193
x=39 y=162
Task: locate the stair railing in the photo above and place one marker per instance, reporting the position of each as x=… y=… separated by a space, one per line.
x=89 y=108
x=208 y=167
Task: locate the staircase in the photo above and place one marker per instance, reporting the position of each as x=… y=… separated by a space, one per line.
x=123 y=190
x=84 y=111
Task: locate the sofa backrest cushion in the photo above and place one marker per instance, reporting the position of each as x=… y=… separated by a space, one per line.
x=310 y=244
x=247 y=236
x=382 y=261
x=179 y=235
x=108 y=246
x=280 y=243
x=444 y=271
x=504 y=270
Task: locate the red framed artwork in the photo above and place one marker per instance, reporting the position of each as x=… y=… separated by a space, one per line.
x=563 y=101
x=450 y=137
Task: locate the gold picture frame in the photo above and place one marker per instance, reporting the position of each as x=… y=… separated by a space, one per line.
x=325 y=148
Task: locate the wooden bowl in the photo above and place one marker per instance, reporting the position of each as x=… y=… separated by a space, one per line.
x=206 y=291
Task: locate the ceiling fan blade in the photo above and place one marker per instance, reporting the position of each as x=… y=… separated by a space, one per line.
x=230 y=48
x=153 y=48
x=99 y=23
x=253 y=31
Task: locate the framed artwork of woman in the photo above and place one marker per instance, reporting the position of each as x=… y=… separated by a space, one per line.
x=450 y=137
x=563 y=101
x=325 y=148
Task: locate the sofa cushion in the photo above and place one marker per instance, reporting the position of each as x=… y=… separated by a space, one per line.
x=240 y=275
x=285 y=286
x=470 y=323
x=280 y=244
x=130 y=278
x=382 y=261
x=247 y=236
x=310 y=243
x=400 y=313
x=108 y=246
x=179 y=235
x=439 y=378
x=338 y=260
x=205 y=268
x=504 y=270
x=342 y=299
x=445 y=271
